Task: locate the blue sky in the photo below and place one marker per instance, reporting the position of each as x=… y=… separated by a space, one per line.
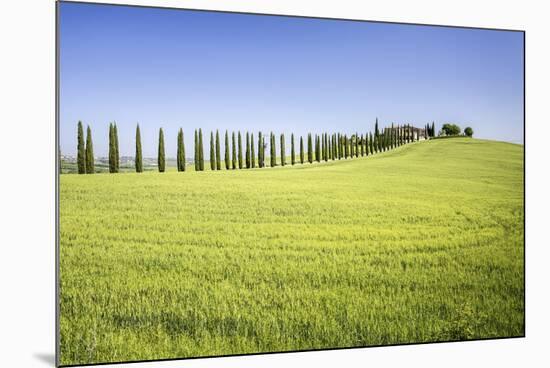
x=175 y=68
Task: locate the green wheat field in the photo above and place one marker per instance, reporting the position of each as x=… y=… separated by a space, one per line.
x=423 y=243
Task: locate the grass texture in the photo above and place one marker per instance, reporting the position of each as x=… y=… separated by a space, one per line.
x=423 y=243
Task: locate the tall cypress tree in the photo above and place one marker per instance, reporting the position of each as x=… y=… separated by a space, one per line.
x=226 y=150
x=218 y=151
x=260 y=150
x=247 y=151
x=323 y=146
x=252 y=154
x=272 y=152
x=196 y=157
x=309 y=149
x=292 y=153
x=112 y=166
x=117 y=154
x=339 y=147
x=233 y=151
x=240 y=150
x=212 y=152
x=80 y=150
x=161 y=159
x=371 y=138
x=138 y=158
x=433 y=129
x=89 y=152
x=201 y=151
x=326 y=147
x=301 y=150
x=180 y=157
x=283 y=150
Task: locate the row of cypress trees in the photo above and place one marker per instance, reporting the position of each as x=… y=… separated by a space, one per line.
x=323 y=147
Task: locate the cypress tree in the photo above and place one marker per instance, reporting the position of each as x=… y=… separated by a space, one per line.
x=201 y=151
x=252 y=154
x=317 y=148
x=356 y=144
x=273 y=151
x=80 y=149
x=339 y=146
x=331 y=147
x=239 y=139
x=371 y=138
x=346 y=147
x=283 y=150
x=433 y=129
x=301 y=150
x=212 y=152
x=233 y=151
x=326 y=157
x=322 y=146
x=138 y=158
x=362 y=144
x=161 y=159
x=226 y=150
x=309 y=149
x=196 y=156
x=89 y=152
x=260 y=150
x=247 y=151
x=292 y=152
x=218 y=151
x=112 y=166
x=117 y=154
x=180 y=158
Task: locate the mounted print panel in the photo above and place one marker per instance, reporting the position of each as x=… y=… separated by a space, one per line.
x=236 y=183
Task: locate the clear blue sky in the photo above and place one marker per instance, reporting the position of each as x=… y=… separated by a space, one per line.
x=174 y=68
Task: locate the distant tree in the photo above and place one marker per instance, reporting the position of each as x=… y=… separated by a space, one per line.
x=112 y=153
x=240 y=141
x=292 y=152
x=89 y=152
x=283 y=150
x=302 y=155
x=450 y=129
x=338 y=147
x=323 y=146
x=180 y=157
x=327 y=147
x=196 y=157
x=81 y=150
x=201 y=151
x=317 y=148
x=309 y=149
x=247 y=151
x=273 y=151
x=218 y=151
x=362 y=145
x=260 y=150
x=227 y=164
x=161 y=159
x=117 y=154
x=469 y=132
x=212 y=152
x=252 y=154
x=433 y=129
x=233 y=151
x=138 y=159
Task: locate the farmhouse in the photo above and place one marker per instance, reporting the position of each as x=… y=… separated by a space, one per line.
x=417 y=133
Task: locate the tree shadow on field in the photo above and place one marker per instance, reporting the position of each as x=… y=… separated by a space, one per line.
x=47 y=358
